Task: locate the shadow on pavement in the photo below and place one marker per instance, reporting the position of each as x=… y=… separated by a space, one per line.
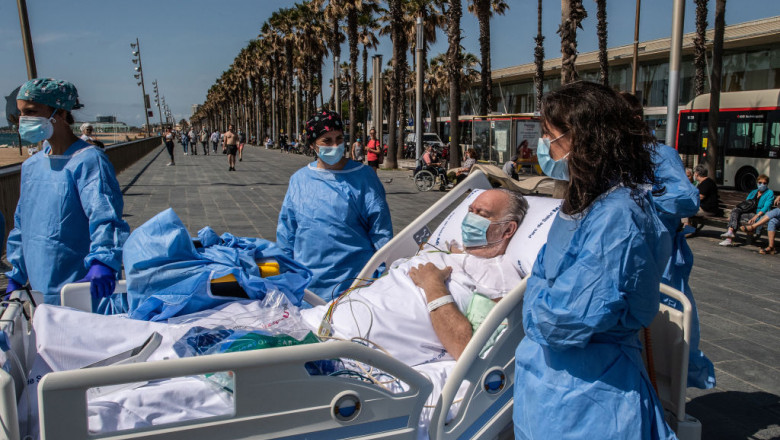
x=749 y=413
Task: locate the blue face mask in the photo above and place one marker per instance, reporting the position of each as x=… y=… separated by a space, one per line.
x=557 y=169
x=331 y=155
x=762 y=187
x=36 y=128
x=473 y=231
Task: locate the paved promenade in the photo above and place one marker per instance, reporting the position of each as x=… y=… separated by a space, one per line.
x=736 y=288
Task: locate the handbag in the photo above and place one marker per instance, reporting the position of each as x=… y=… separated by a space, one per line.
x=748 y=205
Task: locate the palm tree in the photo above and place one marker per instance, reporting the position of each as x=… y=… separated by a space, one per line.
x=699 y=47
x=454 y=63
x=539 y=58
x=572 y=14
x=715 y=83
x=483 y=10
x=601 y=31
x=368 y=26
x=395 y=17
x=434 y=87
x=333 y=13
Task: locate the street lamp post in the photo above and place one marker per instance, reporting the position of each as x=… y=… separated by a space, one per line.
x=140 y=75
x=420 y=65
x=157 y=101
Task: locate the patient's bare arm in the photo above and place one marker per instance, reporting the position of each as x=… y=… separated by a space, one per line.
x=452 y=328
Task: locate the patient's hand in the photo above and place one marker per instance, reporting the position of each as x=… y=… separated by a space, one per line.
x=431 y=279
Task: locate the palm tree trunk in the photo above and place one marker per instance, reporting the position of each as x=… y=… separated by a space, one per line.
x=699 y=47
x=352 y=29
x=601 y=30
x=715 y=84
x=572 y=14
x=483 y=16
x=539 y=58
x=396 y=95
x=364 y=96
x=288 y=55
x=454 y=65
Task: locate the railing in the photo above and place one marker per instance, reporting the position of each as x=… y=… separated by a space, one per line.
x=121 y=155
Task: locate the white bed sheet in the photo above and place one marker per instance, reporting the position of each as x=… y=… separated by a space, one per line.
x=70 y=339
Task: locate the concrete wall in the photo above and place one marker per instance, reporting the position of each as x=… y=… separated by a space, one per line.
x=121 y=156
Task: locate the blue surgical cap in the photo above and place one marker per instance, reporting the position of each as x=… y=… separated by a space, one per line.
x=49 y=91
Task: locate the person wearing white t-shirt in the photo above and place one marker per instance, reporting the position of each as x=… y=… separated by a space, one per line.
x=416 y=311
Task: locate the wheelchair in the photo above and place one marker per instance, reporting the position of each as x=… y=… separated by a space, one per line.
x=426 y=177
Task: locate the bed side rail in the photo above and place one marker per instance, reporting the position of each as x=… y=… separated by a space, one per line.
x=275 y=397
x=9 y=419
x=670 y=336
x=407 y=242
x=487 y=405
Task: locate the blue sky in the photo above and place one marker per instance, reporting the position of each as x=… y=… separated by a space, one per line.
x=187 y=45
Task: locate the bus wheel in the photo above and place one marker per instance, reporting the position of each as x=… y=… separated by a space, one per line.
x=746 y=179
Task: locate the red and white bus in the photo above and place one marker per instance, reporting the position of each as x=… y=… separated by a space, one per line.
x=748 y=131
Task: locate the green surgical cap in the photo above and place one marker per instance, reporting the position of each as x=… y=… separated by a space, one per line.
x=49 y=91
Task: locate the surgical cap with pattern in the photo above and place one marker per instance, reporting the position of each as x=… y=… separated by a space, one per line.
x=322 y=122
x=55 y=93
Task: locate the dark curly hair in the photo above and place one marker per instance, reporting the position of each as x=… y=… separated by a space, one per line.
x=610 y=146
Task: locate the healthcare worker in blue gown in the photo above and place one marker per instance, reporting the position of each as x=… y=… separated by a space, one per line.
x=676 y=198
x=335 y=215
x=68 y=223
x=579 y=370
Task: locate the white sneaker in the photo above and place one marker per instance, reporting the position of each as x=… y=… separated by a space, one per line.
x=170 y=164
x=727 y=234
x=726 y=242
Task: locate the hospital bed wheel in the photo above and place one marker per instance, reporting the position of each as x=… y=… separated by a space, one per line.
x=424 y=180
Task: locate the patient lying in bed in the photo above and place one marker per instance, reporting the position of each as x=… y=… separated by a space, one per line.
x=392 y=313
x=417 y=311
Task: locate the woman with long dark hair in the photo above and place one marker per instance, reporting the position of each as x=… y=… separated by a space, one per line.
x=595 y=284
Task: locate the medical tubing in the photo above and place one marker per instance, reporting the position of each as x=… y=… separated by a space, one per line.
x=649 y=355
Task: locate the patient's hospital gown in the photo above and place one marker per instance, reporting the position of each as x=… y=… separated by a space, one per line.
x=69 y=216
x=579 y=371
x=332 y=222
x=392 y=312
x=675 y=197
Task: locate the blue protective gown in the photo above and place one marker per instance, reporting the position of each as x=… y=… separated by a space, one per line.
x=332 y=222
x=675 y=197
x=69 y=215
x=579 y=371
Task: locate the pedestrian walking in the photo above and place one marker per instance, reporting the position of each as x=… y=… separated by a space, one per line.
x=193 y=137
x=204 y=141
x=231 y=147
x=214 y=141
x=241 y=142
x=185 y=141
x=169 y=136
x=357 y=151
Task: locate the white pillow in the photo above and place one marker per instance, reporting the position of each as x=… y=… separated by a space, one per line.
x=528 y=240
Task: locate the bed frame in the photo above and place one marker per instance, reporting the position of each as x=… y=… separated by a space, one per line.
x=275 y=397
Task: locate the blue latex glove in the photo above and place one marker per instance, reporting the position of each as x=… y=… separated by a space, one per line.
x=12 y=285
x=102 y=279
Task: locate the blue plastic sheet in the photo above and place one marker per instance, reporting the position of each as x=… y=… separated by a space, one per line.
x=168 y=276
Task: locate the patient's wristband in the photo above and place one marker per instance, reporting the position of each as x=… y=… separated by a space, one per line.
x=438 y=302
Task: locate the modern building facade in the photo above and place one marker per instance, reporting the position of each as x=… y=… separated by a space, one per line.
x=751 y=61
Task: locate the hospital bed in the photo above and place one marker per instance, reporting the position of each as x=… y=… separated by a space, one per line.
x=275 y=396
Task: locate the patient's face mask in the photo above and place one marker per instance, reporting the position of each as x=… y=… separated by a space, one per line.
x=36 y=128
x=474 y=231
x=331 y=155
